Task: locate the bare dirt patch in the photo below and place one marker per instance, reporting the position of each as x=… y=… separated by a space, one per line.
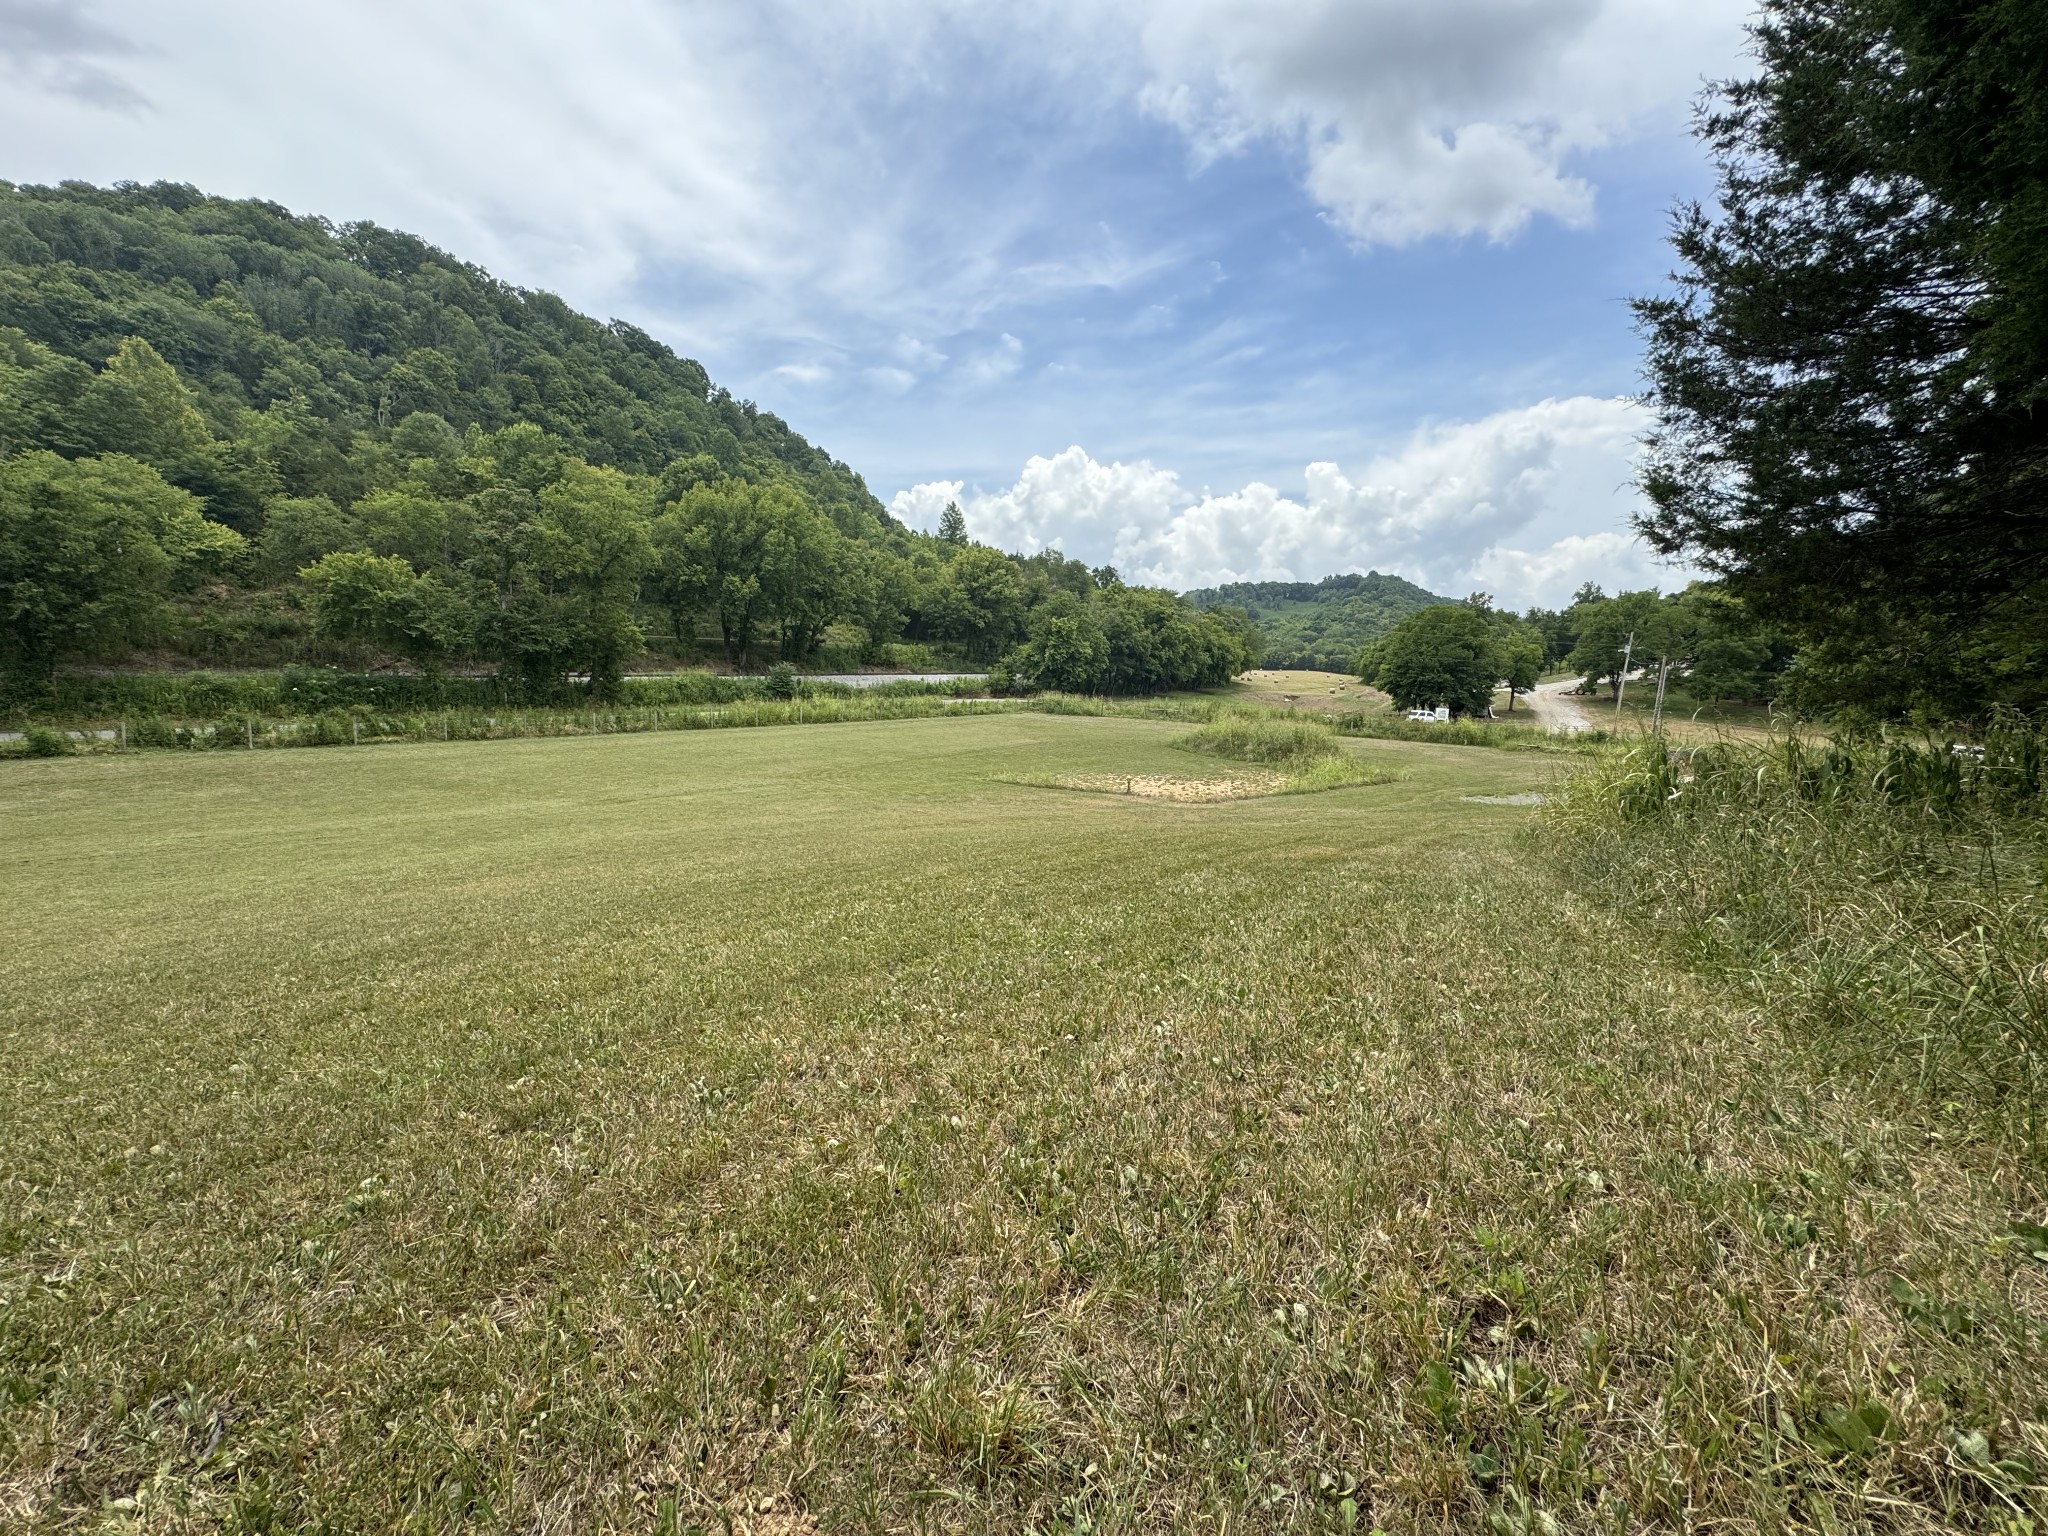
x=1159 y=786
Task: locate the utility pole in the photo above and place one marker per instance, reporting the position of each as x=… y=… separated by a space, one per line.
x=1657 y=714
x=1628 y=649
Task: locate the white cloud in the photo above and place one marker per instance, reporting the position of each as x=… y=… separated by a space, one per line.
x=918 y=355
x=1499 y=504
x=1426 y=117
x=921 y=505
x=897 y=381
x=999 y=362
x=1611 y=560
x=840 y=207
x=846 y=169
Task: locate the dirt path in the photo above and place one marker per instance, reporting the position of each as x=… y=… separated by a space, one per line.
x=1560 y=713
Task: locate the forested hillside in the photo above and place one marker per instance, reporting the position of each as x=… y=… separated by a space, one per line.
x=1321 y=624
x=237 y=435
x=331 y=334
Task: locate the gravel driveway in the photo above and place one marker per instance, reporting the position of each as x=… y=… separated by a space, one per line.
x=1560 y=713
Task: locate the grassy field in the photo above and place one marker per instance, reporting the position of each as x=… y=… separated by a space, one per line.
x=802 y=1129
x=1329 y=692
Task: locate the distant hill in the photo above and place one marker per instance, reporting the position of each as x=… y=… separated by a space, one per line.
x=1320 y=624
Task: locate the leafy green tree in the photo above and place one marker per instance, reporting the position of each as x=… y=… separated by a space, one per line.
x=88 y=547
x=1726 y=653
x=138 y=405
x=1066 y=650
x=522 y=619
x=39 y=391
x=953 y=525
x=1554 y=628
x=1521 y=661
x=404 y=523
x=1442 y=655
x=423 y=381
x=298 y=530
x=806 y=579
x=425 y=435
x=980 y=602
x=1618 y=634
x=380 y=601
x=597 y=547
x=1851 y=380
x=716 y=544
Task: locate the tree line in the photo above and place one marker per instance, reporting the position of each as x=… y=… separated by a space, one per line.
x=226 y=429
x=1459 y=655
x=504 y=548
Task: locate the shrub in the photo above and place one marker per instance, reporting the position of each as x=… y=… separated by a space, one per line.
x=153 y=731
x=41 y=741
x=782 y=681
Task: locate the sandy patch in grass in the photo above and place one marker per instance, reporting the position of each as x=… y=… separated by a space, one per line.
x=1159 y=786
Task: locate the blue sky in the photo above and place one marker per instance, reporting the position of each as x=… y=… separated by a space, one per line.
x=1209 y=289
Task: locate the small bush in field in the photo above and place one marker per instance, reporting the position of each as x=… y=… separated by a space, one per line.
x=41 y=741
x=782 y=681
x=153 y=731
x=1250 y=740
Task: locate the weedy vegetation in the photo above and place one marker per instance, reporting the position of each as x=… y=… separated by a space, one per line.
x=1248 y=738
x=1886 y=895
x=803 y=1130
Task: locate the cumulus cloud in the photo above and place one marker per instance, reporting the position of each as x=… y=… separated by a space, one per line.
x=1450 y=117
x=921 y=505
x=1499 y=504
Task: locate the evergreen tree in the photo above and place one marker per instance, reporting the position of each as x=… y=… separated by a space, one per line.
x=1851 y=380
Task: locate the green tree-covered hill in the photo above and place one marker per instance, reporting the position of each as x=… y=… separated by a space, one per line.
x=1320 y=624
x=236 y=435
x=329 y=332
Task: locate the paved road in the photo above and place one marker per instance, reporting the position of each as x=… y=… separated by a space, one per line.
x=74 y=735
x=1560 y=713
x=876 y=679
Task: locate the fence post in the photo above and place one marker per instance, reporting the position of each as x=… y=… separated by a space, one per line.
x=355 y=732
x=249 y=731
x=124 y=735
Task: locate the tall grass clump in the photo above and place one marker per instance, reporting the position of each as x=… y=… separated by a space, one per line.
x=1385 y=726
x=1303 y=751
x=1256 y=739
x=1886 y=894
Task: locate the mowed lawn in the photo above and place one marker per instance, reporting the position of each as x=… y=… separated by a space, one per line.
x=793 y=1129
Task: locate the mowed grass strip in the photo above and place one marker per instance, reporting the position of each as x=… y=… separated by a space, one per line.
x=643 y=1132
